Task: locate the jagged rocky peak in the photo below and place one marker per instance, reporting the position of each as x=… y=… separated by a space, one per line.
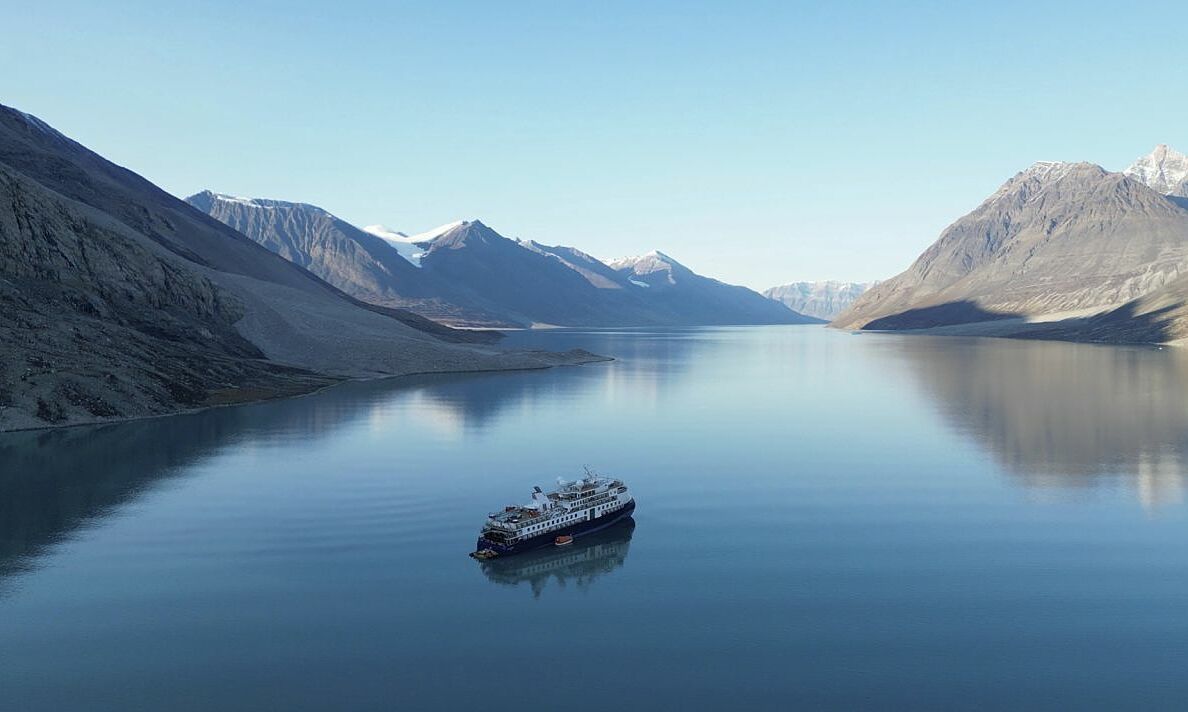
x=1164 y=170
x=1059 y=189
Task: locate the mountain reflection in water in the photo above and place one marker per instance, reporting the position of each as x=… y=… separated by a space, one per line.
x=581 y=563
x=54 y=482
x=1059 y=415
x=309 y=554
x=57 y=481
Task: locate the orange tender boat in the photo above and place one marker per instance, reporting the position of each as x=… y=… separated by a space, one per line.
x=563 y=540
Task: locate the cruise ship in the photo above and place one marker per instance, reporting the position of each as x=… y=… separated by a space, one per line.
x=555 y=518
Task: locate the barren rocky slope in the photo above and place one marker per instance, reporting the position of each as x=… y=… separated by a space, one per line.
x=118 y=300
x=357 y=262
x=1056 y=238
x=1157 y=318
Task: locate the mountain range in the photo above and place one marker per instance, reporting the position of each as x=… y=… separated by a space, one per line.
x=1061 y=250
x=824 y=300
x=120 y=300
x=466 y=274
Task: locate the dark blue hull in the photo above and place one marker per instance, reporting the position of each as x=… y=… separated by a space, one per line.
x=548 y=538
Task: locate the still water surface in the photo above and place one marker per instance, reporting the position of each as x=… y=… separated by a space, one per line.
x=824 y=521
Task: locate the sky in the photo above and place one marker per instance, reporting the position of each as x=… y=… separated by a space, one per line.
x=756 y=142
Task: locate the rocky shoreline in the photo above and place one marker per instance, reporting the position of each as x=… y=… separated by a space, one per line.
x=230 y=397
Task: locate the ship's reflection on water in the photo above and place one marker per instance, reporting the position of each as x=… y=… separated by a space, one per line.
x=578 y=564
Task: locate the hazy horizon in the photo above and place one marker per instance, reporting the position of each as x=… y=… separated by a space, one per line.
x=759 y=145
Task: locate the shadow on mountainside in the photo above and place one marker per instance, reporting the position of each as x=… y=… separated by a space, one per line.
x=1154 y=319
x=960 y=312
x=1124 y=325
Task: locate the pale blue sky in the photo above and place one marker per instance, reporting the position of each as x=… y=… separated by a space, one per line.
x=759 y=143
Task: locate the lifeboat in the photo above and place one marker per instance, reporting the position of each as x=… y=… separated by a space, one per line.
x=563 y=540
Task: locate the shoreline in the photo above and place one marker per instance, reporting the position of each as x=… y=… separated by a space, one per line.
x=581 y=361
x=1070 y=331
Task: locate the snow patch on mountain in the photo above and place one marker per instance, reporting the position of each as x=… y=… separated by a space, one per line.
x=436 y=232
x=261 y=203
x=402 y=243
x=385 y=233
x=253 y=202
x=410 y=246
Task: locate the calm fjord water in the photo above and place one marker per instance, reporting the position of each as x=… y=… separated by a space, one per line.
x=825 y=520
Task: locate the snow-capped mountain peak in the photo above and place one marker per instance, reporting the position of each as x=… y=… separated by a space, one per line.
x=410 y=246
x=649 y=261
x=1164 y=170
x=387 y=233
x=406 y=245
x=652 y=269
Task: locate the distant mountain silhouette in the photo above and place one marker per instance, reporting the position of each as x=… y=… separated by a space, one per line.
x=823 y=300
